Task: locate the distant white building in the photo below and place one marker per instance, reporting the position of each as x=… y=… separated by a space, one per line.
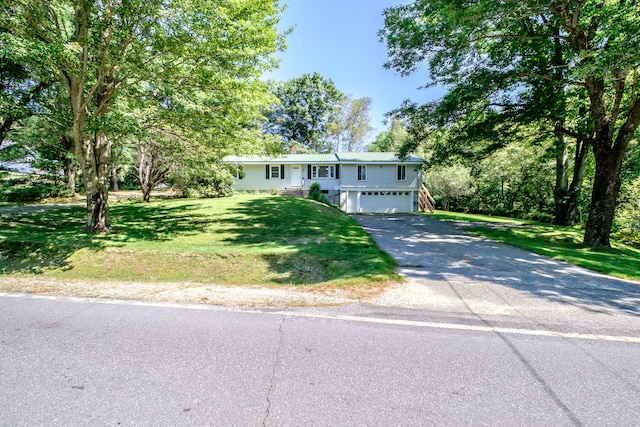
x=356 y=182
x=22 y=165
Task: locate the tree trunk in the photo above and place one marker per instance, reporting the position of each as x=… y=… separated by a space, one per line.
x=114 y=177
x=567 y=201
x=89 y=156
x=96 y=179
x=606 y=186
x=5 y=127
x=70 y=171
x=146 y=194
x=609 y=153
x=562 y=216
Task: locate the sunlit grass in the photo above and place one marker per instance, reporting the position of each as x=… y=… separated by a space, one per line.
x=562 y=243
x=244 y=239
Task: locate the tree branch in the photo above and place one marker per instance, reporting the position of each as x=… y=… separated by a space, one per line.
x=577 y=135
x=619 y=86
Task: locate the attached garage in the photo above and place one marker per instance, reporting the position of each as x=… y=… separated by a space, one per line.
x=359 y=182
x=376 y=201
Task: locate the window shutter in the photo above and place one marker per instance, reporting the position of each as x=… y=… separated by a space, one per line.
x=281 y=171
x=337 y=171
x=308 y=171
x=267 y=168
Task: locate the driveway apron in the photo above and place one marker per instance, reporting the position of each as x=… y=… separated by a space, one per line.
x=448 y=270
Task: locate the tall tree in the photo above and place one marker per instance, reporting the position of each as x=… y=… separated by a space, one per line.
x=392 y=139
x=356 y=123
x=47 y=134
x=349 y=126
x=303 y=112
x=187 y=129
x=104 y=50
x=20 y=88
x=483 y=50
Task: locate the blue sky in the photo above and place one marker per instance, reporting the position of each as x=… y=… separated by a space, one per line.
x=339 y=40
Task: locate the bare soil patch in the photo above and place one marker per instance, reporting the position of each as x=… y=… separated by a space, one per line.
x=244 y=296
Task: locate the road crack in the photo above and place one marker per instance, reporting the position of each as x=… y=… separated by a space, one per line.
x=523 y=360
x=274 y=370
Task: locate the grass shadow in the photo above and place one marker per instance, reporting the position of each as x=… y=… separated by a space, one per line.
x=306 y=242
x=34 y=243
x=240 y=240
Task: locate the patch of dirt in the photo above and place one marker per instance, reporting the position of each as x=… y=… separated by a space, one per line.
x=236 y=296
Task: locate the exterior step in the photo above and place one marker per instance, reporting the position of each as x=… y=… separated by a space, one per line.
x=294 y=192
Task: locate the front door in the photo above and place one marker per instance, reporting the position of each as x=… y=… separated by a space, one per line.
x=296 y=176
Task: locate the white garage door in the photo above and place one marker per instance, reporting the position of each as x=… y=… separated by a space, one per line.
x=385 y=202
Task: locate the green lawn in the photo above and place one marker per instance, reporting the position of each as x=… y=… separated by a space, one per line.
x=562 y=243
x=240 y=240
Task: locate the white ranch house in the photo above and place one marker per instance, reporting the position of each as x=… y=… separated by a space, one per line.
x=356 y=182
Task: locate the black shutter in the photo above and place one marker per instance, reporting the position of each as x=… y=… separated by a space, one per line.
x=281 y=171
x=337 y=171
x=267 y=168
x=308 y=171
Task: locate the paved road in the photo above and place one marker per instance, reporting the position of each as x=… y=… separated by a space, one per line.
x=492 y=336
x=448 y=271
x=80 y=363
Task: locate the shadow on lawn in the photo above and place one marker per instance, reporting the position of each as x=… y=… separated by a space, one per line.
x=35 y=242
x=321 y=243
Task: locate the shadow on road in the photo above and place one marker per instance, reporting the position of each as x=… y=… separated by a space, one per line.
x=439 y=250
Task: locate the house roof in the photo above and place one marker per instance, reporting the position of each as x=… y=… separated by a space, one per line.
x=385 y=157
x=324 y=158
x=285 y=158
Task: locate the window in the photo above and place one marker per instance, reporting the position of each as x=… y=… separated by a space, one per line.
x=274 y=171
x=402 y=173
x=323 y=171
x=362 y=172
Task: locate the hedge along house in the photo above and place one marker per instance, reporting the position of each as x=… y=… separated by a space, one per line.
x=356 y=182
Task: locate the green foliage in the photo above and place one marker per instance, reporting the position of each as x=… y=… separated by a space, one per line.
x=239 y=240
x=20 y=89
x=392 y=139
x=569 y=68
x=48 y=137
x=449 y=183
x=189 y=69
x=31 y=189
x=517 y=181
x=204 y=180
x=348 y=126
x=315 y=193
x=627 y=221
x=304 y=108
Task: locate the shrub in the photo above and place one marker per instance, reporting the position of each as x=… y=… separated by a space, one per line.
x=23 y=189
x=202 y=182
x=315 y=193
x=627 y=221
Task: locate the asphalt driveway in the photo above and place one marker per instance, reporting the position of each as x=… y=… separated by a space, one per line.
x=448 y=270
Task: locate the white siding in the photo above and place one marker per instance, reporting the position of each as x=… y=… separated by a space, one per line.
x=255 y=179
x=380 y=192
x=380 y=176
